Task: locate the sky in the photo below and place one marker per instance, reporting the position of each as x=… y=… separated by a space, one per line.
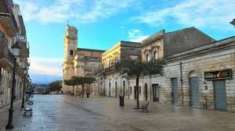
x=102 y=23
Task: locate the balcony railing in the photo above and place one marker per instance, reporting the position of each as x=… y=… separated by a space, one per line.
x=8 y=22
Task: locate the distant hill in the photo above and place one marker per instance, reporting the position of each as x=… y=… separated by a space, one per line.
x=44 y=79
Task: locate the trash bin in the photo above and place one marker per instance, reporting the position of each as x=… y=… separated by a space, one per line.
x=121 y=101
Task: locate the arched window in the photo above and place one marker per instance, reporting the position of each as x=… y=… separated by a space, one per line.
x=155 y=54
x=148 y=57
x=71 y=52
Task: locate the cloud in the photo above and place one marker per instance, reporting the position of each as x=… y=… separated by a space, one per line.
x=213 y=13
x=46 y=66
x=57 y=11
x=136 y=35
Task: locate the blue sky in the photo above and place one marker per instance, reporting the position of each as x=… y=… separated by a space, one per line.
x=102 y=23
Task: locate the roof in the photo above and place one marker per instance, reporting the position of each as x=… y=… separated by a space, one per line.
x=224 y=44
x=91 y=50
x=122 y=44
x=185 y=39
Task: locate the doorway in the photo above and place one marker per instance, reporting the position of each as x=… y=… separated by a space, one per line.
x=220 y=95
x=135 y=92
x=174 y=88
x=146 y=91
x=156 y=92
x=194 y=91
x=109 y=89
x=116 y=90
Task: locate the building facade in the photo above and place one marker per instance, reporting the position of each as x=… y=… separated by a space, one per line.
x=111 y=80
x=78 y=61
x=12 y=31
x=198 y=71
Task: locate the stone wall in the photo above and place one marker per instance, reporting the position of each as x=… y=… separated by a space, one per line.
x=197 y=65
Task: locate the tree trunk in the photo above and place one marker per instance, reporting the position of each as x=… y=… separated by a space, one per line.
x=83 y=90
x=73 y=90
x=137 y=95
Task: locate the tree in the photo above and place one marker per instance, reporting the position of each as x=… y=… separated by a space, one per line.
x=55 y=85
x=78 y=80
x=132 y=68
x=137 y=68
x=89 y=81
x=153 y=67
x=71 y=82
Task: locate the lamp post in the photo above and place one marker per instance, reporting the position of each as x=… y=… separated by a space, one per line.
x=14 y=54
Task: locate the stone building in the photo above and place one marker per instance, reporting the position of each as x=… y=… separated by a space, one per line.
x=78 y=61
x=111 y=80
x=199 y=71
x=12 y=31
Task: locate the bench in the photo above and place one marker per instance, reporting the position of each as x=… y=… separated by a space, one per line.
x=144 y=107
x=30 y=102
x=28 y=112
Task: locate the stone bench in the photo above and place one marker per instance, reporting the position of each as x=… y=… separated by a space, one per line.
x=28 y=112
x=144 y=107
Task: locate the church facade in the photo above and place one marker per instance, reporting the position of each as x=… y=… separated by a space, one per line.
x=78 y=61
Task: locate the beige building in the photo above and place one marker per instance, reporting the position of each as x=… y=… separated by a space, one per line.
x=12 y=31
x=78 y=61
x=110 y=80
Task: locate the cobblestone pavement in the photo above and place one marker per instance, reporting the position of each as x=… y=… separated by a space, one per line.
x=65 y=113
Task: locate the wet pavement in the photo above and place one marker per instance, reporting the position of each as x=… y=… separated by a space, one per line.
x=65 y=113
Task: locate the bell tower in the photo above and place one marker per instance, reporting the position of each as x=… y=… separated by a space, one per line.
x=70 y=50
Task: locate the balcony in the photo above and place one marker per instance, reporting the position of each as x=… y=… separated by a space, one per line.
x=5 y=59
x=8 y=23
x=24 y=46
x=110 y=69
x=6 y=6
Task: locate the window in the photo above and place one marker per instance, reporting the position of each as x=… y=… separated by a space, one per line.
x=71 y=52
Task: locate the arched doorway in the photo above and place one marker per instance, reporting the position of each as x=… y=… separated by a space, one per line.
x=109 y=88
x=124 y=88
x=146 y=91
x=116 y=90
x=194 y=96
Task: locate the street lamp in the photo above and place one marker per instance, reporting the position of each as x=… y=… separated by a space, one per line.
x=14 y=54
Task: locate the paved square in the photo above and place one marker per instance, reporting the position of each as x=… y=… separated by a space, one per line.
x=65 y=113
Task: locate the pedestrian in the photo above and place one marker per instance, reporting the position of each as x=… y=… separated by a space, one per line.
x=88 y=92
